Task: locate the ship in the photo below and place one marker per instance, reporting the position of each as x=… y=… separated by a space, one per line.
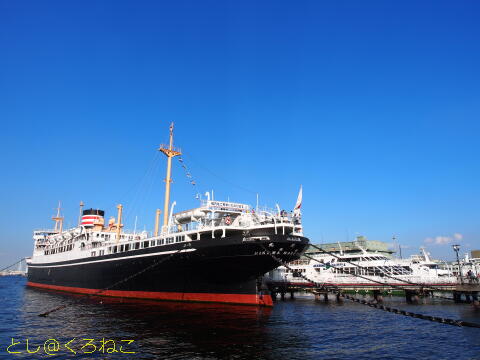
x=364 y=264
x=216 y=252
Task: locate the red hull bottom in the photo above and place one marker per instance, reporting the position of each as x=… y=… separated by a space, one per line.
x=241 y=299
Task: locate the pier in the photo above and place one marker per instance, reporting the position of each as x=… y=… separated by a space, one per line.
x=468 y=293
x=460 y=293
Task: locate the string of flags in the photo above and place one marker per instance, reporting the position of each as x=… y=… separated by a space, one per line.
x=191 y=180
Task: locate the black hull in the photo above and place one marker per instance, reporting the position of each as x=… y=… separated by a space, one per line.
x=214 y=270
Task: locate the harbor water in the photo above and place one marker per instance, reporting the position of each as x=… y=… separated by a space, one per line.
x=294 y=329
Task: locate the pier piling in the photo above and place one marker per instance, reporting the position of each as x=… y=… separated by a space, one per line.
x=377 y=296
x=411 y=296
x=476 y=303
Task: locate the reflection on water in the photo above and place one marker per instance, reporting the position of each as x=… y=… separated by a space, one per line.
x=300 y=329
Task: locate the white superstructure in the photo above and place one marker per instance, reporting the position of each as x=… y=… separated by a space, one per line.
x=213 y=219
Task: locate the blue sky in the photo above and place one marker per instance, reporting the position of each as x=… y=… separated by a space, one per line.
x=373 y=106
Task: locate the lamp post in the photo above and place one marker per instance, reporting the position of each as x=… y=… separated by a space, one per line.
x=456 y=248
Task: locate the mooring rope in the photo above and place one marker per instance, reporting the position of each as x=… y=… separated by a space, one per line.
x=375 y=305
x=9 y=266
x=158 y=262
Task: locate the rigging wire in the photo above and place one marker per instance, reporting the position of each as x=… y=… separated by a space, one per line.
x=143 y=193
x=138 y=185
x=9 y=266
x=221 y=177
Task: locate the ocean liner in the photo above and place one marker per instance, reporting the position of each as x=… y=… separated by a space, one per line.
x=217 y=252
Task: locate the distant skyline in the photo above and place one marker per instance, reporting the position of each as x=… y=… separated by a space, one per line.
x=372 y=106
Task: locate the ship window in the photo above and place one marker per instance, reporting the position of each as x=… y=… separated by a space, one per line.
x=160 y=241
x=93 y=253
x=114 y=249
x=137 y=246
x=152 y=243
x=102 y=252
x=127 y=247
x=145 y=244
x=121 y=248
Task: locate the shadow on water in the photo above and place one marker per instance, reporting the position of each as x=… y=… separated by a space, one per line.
x=160 y=329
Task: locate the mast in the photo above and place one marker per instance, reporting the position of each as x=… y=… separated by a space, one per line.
x=58 y=219
x=80 y=212
x=170 y=152
x=119 y=221
x=157 y=219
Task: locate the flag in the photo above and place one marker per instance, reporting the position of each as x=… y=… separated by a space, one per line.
x=298 y=205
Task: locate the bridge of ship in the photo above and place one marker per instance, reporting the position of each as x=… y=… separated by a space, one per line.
x=213 y=215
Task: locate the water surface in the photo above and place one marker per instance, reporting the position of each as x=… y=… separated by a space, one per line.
x=299 y=329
